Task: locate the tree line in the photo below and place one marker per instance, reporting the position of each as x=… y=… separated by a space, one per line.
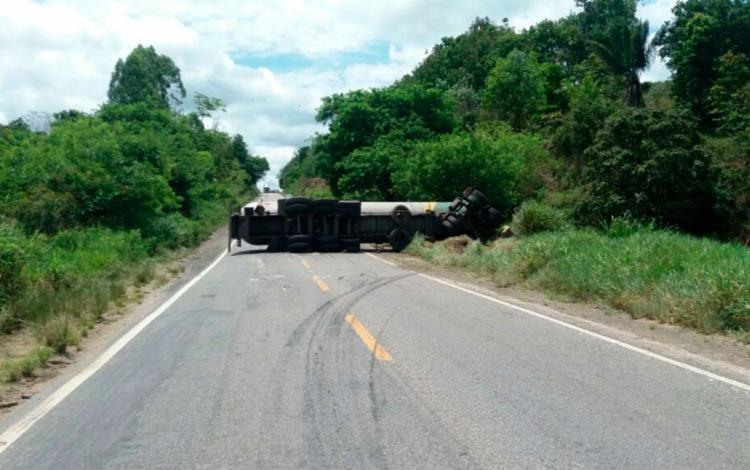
x=86 y=203
x=557 y=112
x=136 y=163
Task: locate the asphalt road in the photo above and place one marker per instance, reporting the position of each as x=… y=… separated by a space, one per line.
x=268 y=362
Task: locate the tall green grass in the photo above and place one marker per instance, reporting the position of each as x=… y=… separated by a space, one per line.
x=674 y=278
x=63 y=283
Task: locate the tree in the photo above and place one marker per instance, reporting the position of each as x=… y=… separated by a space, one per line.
x=145 y=76
x=255 y=167
x=692 y=43
x=467 y=58
x=515 y=89
x=729 y=96
x=619 y=39
x=650 y=165
x=500 y=162
x=358 y=119
x=205 y=105
x=589 y=108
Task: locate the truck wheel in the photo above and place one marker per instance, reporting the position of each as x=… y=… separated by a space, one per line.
x=477 y=199
x=401 y=214
x=296 y=205
x=324 y=206
x=351 y=245
x=299 y=248
x=300 y=239
x=492 y=216
x=328 y=239
x=399 y=239
x=330 y=248
x=452 y=223
x=296 y=209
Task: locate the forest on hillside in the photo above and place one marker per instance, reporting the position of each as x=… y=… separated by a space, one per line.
x=557 y=113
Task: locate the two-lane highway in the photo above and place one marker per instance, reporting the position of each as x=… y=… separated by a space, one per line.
x=275 y=360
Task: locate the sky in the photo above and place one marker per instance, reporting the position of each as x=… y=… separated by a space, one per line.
x=270 y=61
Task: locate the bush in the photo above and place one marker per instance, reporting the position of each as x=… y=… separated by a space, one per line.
x=534 y=217
x=499 y=162
x=12 y=260
x=651 y=166
x=171 y=231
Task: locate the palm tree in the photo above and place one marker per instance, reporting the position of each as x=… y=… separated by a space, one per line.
x=619 y=39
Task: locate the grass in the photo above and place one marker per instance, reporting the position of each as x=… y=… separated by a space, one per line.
x=535 y=217
x=57 y=287
x=12 y=370
x=699 y=283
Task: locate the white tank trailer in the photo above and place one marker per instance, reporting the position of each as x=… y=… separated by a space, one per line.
x=302 y=225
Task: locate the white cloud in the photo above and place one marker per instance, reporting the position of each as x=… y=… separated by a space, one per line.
x=60 y=54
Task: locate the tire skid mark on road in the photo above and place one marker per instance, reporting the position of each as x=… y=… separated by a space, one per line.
x=315 y=345
x=324 y=361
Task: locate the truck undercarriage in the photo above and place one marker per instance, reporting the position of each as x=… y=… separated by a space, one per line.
x=302 y=225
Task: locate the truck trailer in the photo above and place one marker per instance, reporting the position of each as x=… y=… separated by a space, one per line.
x=300 y=225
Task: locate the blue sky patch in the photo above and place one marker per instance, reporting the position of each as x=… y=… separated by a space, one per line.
x=375 y=53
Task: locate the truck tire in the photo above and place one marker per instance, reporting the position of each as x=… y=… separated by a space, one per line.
x=328 y=244
x=401 y=215
x=299 y=248
x=399 y=238
x=477 y=199
x=492 y=216
x=296 y=206
x=327 y=239
x=452 y=223
x=351 y=245
x=330 y=248
x=324 y=206
x=294 y=239
x=276 y=244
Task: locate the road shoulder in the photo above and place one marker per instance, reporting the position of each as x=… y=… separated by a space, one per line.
x=25 y=394
x=716 y=353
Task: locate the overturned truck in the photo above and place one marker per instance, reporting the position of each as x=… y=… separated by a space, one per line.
x=302 y=225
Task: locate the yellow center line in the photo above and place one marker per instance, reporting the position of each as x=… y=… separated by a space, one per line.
x=323 y=286
x=378 y=350
x=305 y=263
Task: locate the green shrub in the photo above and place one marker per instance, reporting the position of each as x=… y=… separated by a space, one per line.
x=12 y=259
x=651 y=166
x=498 y=161
x=171 y=231
x=620 y=227
x=534 y=217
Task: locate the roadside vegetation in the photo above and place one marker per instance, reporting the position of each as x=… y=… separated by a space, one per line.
x=91 y=203
x=662 y=275
x=554 y=124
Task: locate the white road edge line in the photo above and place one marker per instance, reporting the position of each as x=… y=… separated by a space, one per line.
x=630 y=347
x=19 y=428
